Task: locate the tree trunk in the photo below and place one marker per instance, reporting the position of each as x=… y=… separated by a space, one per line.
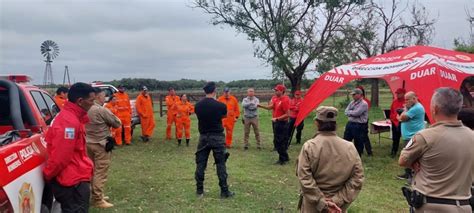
x=374 y=99
x=295 y=80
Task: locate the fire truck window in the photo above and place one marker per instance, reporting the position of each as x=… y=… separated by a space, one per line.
x=5 y=119
x=42 y=106
x=51 y=104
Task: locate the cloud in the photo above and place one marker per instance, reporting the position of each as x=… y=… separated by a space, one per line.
x=108 y=40
x=163 y=39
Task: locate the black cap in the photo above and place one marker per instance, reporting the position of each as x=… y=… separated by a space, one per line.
x=210 y=87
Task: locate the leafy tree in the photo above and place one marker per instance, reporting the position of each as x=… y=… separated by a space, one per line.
x=287 y=34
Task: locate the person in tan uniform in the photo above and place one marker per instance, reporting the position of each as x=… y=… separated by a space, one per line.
x=97 y=131
x=329 y=168
x=442 y=157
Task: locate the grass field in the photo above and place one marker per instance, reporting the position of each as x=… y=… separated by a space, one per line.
x=159 y=176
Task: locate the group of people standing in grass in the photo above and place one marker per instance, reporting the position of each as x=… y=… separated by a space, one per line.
x=329 y=168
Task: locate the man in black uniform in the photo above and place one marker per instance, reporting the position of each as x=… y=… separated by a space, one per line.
x=210 y=113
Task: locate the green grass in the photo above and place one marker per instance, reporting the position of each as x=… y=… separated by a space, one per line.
x=159 y=176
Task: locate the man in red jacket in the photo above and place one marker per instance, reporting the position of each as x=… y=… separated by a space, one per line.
x=398 y=103
x=68 y=168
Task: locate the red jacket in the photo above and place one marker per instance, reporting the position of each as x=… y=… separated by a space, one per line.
x=295 y=106
x=396 y=104
x=66 y=139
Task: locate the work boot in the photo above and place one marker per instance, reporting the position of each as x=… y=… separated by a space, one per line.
x=179 y=142
x=106 y=198
x=200 y=192
x=187 y=141
x=227 y=194
x=103 y=204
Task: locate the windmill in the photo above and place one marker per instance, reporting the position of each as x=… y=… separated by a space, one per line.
x=66 y=75
x=49 y=50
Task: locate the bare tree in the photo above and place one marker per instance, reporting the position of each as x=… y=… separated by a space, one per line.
x=383 y=28
x=287 y=34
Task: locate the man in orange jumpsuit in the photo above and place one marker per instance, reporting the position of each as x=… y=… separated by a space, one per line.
x=172 y=101
x=124 y=112
x=233 y=113
x=184 y=110
x=144 y=106
x=112 y=106
x=61 y=96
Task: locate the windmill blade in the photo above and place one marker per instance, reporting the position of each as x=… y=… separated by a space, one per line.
x=49 y=49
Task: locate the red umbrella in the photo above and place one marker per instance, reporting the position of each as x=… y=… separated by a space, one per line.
x=421 y=69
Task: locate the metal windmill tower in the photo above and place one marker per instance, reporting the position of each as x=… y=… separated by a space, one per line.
x=49 y=50
x=471 y=21
x=66 y=75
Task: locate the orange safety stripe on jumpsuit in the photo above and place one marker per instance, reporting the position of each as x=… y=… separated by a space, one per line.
x=113 y=108
x=144 y=106
x=171 y=106
x=124 y=113
x=184 y=110
x=233 y=112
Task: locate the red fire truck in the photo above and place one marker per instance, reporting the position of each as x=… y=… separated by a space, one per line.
x=25 y=113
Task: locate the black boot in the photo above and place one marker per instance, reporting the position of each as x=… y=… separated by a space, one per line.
x=187 y=141
x=227 y=194
x=179 y=142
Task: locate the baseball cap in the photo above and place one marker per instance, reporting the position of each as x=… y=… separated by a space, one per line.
x=280 y=87
x=401 y=90
x=209 y=87
x=356 y=91
x=227 y=89
x=326 y=113
x=297 y=92
x=144 y=88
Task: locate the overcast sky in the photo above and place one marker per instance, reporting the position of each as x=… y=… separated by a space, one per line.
x=162 y=39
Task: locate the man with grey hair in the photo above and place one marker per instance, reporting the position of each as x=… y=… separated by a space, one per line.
x=357 y=113
x=250 y=118
x=442 y=157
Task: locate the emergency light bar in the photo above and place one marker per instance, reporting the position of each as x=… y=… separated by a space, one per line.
x=17 y=78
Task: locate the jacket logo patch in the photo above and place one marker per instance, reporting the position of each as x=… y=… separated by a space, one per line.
x=69 y=133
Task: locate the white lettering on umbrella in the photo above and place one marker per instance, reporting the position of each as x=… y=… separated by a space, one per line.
x=448 y=75
x=423 y=73
x=334 y=79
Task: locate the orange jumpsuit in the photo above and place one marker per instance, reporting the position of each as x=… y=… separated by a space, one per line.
x=233 y=112
x=113 y=108
x=171 y=106
x=184 y=109
x=144 y=106
x=60 y=101
x=124 y=113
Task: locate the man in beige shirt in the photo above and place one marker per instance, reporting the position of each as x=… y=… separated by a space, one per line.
x=97 y=131
x=329 y=168
x=442 y=157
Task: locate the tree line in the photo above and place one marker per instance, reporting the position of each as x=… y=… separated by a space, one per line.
x=189 y=84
